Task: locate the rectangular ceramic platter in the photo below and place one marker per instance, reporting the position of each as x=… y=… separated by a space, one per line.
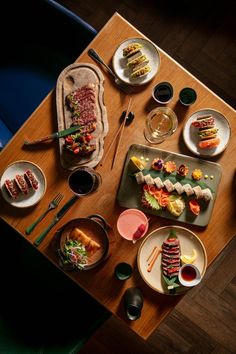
x=129 y=193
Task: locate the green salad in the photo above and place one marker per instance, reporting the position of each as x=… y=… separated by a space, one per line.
x=75 y=254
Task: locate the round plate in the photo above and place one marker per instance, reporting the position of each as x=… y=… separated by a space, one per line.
x=188 y=241
x=191 y=138
x=120 y=63
x=34 y=196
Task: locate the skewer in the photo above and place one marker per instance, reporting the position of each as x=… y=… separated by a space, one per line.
x=121 y=132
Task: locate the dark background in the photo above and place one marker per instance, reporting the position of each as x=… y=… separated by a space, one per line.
x=199 y=35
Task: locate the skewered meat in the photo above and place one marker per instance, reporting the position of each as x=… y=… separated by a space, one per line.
x=11 y=188
x=170 y=257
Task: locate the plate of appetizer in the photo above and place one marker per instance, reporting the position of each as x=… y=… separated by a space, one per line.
x=207 y=132
x=136 y=61
x=23 y=184
x=163 y=252
x=83 y=243
x=169 y=185
x=79 y=100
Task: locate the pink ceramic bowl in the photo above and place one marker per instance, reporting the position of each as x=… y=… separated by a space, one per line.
x=132 y=224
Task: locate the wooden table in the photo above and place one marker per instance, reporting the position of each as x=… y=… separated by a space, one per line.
x=100 y=282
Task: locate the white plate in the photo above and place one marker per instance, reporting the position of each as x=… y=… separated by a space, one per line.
x=191 y=138
x=120 y=63
x=34 y=196
x=188 y=241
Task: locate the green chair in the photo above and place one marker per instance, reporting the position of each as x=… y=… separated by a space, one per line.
x=41 y=309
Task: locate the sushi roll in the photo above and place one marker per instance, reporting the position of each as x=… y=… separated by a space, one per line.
x=188 y=189
x=148 y=179
x=158 y=182
x=141 y=71
x=204 y=121
x=139 y=177
x=134 y=56
x=198 y=192
x=179 y=188
x=137 y=61
x=11 y=188
x=207 y=195
x=22 y=184
x=131 y=49
x=209 y=143
x=31 y=179
x=169 y=185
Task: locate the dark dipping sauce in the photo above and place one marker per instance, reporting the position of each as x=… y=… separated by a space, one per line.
x=188 y=273
x=81 y=182
x=163 y=93
x=187 y=96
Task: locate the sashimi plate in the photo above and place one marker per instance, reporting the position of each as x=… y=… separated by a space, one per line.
x=191 y=138
x=130 y=192
x=188 y=241
x=120 y=62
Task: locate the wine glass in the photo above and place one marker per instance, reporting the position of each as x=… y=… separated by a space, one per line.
x=161 y=122
x=84 y=180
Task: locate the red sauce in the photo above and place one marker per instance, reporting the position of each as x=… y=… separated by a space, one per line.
x=188 y=273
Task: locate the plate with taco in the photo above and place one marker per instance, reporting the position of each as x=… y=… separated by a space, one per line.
x=207 y=132
x=136 y=61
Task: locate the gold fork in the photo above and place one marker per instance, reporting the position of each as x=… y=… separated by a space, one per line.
x=52 y=205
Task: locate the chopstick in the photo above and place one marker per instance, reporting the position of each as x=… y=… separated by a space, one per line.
x=121 y=132
x=113 y=140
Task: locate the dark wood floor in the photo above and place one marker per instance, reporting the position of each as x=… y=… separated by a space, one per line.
x=202 y=39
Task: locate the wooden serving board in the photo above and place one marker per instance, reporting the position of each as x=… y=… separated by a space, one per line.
x=71 y=78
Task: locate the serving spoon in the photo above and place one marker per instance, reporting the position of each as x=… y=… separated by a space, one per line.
x=121 y=84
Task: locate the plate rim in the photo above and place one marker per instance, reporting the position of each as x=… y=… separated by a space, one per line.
x=156 y=50
x=194 y=151
x=44 y=179
x=149 y=236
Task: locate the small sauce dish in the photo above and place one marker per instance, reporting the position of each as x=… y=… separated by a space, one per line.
x=163 y=92
x=189 y=275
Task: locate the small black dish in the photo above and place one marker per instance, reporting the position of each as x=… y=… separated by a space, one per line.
x=123 y=271
x=133 y=303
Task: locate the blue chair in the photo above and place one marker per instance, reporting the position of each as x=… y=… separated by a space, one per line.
x=29 y=68
x=41 y=310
